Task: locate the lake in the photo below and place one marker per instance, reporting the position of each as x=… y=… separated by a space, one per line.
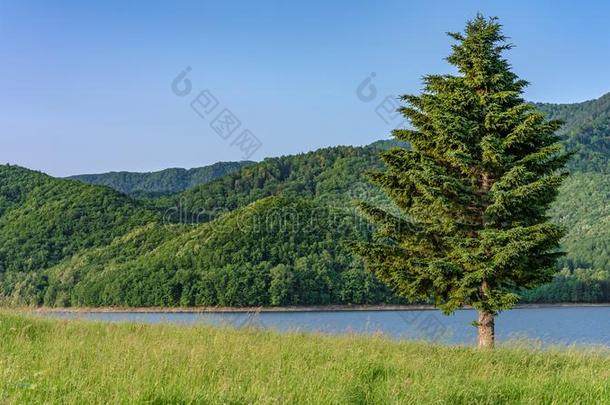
x=554 y=325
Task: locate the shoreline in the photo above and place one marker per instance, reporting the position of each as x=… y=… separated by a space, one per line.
x=309 y=308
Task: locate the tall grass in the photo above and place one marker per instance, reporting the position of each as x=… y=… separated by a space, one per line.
x=62 y=361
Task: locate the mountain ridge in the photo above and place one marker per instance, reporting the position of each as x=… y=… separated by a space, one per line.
x=586 y=130
x=579 y=129
x=160 y=182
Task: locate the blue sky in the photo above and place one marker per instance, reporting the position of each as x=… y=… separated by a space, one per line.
x=87 y=87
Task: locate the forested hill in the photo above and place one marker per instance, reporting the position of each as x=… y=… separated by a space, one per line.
x=587 y=127
x=276 y=251
x=584 y=203
x=163 y=182
x=44 y=220
x=333 y=174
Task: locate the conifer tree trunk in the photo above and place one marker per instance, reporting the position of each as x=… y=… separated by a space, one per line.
x=486 y=330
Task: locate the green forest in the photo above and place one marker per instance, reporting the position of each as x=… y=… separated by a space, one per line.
x=164 y=182
x=258 y=234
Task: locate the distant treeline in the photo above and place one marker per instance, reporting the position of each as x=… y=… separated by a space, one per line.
x=580 y=285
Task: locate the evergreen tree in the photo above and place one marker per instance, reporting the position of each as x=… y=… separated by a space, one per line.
x=473 y=189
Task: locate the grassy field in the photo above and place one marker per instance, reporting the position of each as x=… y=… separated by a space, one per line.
x=58 y=361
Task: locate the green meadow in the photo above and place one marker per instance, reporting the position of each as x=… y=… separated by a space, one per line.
x=77 y=362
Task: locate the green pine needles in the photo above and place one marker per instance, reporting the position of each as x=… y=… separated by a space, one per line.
x=474 y=188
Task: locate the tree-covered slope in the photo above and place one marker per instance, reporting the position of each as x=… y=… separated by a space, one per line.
x=584 y=200
x=587 y=128
x=334 y=175
x=71 y=278
x=276 y=251
x=44 y=220
x=583 y=207
x=163 y=182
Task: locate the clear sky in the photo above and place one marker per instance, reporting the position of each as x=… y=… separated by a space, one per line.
x=88 y=87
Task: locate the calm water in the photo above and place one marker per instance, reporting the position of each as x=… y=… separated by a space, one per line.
x=577 y=325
